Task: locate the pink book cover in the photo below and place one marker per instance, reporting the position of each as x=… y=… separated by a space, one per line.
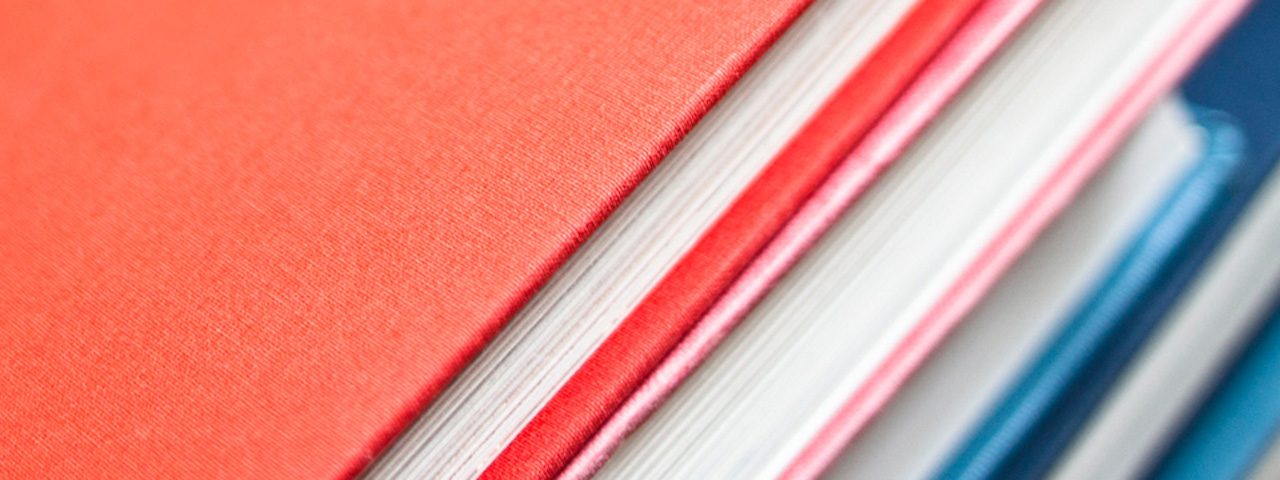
x=1051 y=198
x=982 y=33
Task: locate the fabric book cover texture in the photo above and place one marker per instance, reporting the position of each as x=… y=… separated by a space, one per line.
x=251 y=240
x=1041 y=412
x=563 y=426
x=847 y=169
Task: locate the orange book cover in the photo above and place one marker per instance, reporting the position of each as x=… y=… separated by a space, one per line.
x=253 y=239
x=559 y=432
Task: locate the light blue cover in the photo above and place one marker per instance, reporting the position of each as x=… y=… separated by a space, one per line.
x=1239 y=420
x=1240 y=76
x=1037 y=418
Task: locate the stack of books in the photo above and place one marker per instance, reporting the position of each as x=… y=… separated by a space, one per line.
x=639 y=239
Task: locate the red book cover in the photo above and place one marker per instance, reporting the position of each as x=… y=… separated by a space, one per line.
x=253 y=239
x=989 y=24
x=576 y=413
x=1054 y=195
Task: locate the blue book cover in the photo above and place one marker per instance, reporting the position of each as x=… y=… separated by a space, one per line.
x=1037 y=418
x=1239 y=76
x=1237 y=422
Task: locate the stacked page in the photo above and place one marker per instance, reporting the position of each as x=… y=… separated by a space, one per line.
x=626 y=239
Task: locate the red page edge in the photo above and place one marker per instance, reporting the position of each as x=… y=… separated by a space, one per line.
x=1052 y=197
x=713 y=90
x=945 y=74
x=560 y=429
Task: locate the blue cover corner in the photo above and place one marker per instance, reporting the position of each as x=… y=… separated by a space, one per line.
x=1038 y=417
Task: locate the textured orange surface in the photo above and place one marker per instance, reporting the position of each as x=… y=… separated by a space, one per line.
x=251 y=239
x=569 y=420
